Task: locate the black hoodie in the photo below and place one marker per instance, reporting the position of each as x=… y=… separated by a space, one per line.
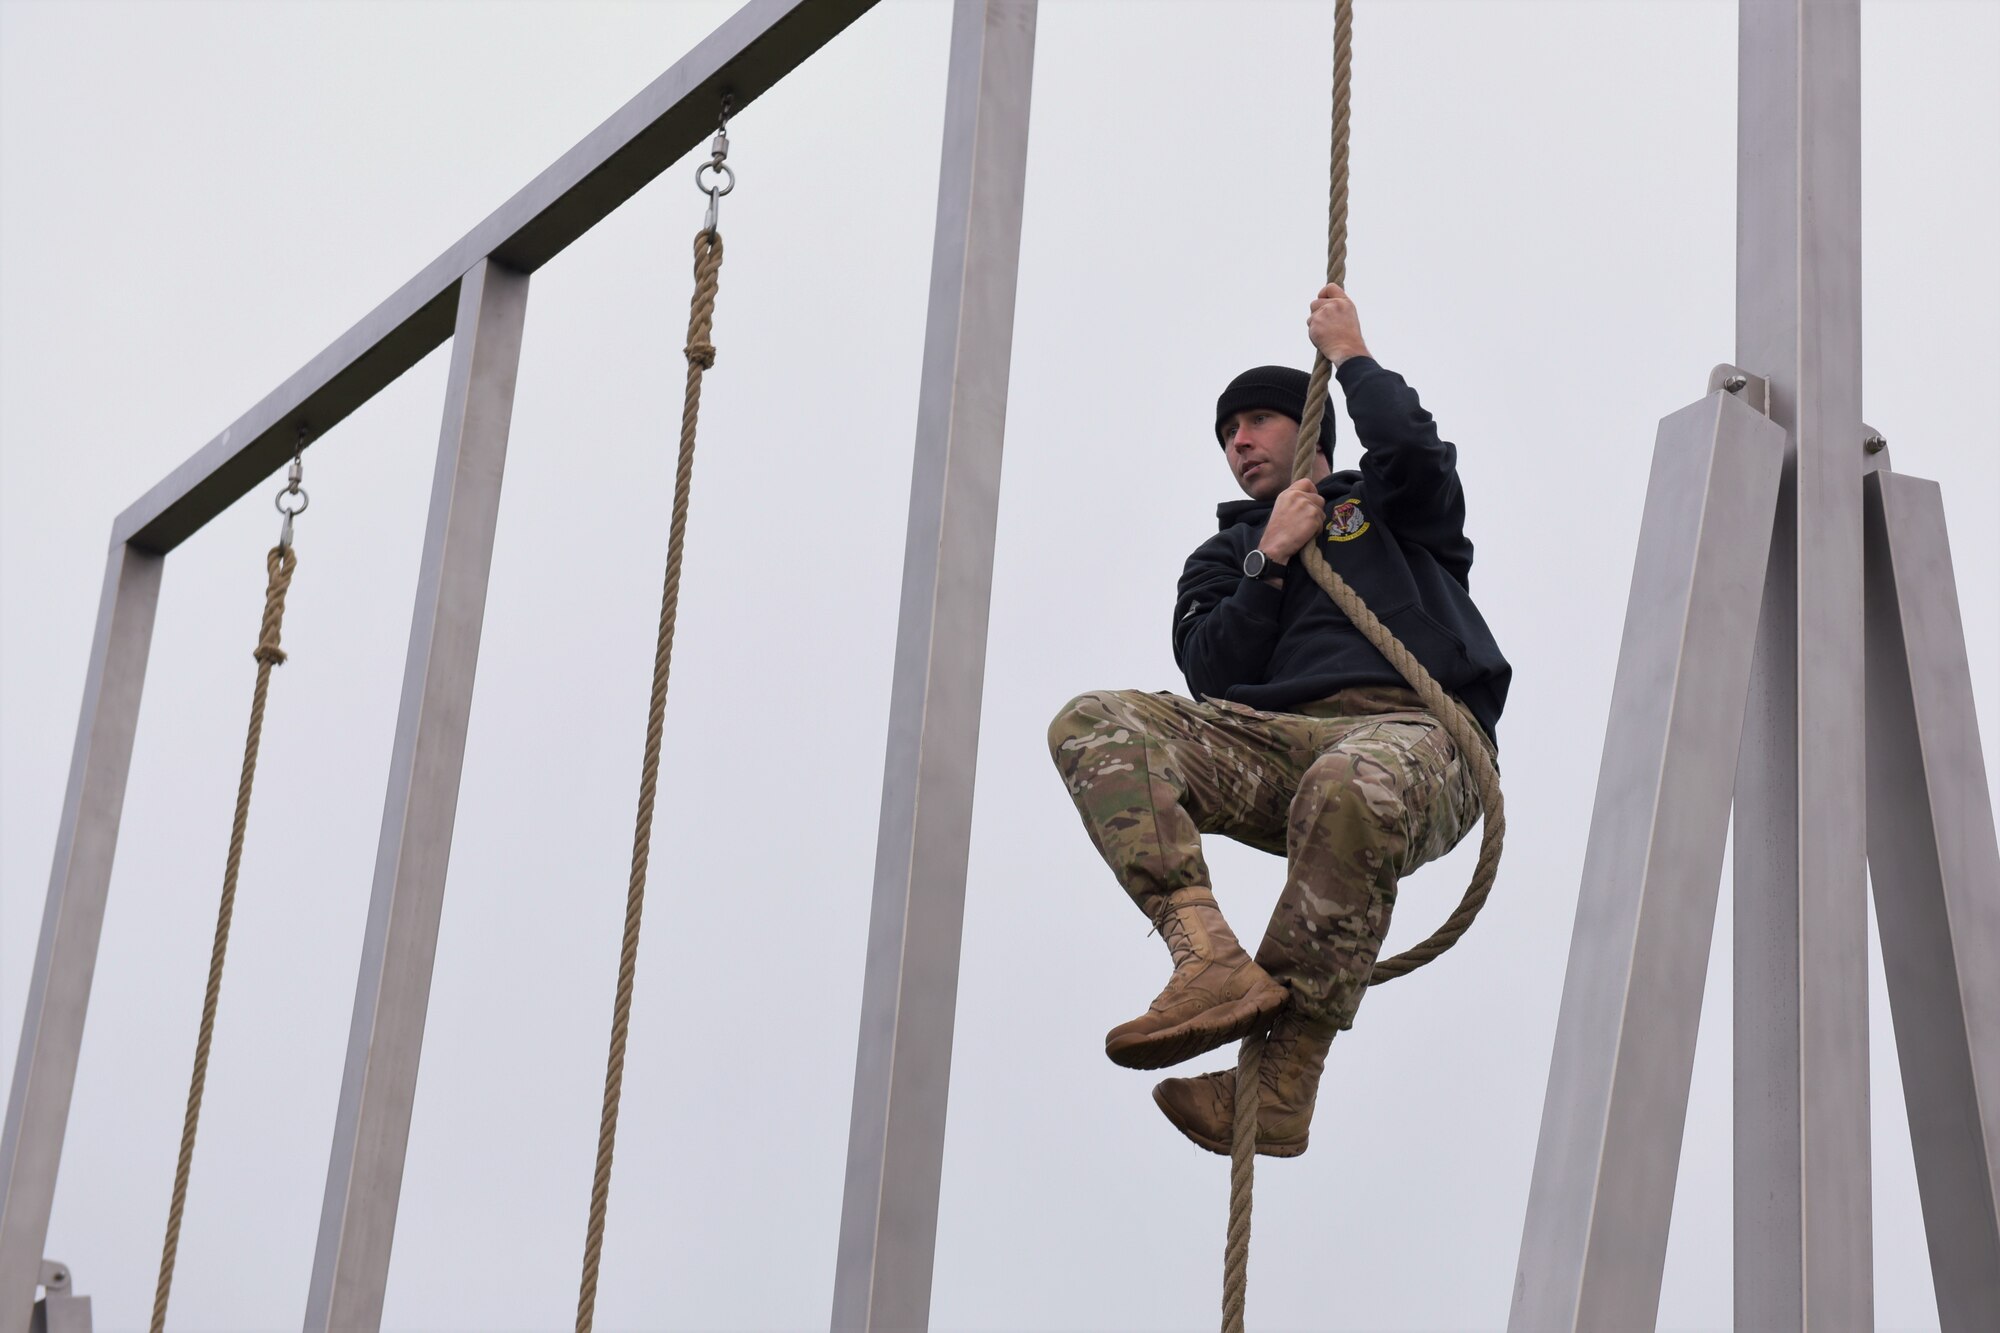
x=1395 y=530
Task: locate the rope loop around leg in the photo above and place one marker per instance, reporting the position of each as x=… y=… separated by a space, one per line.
x=1457 y=722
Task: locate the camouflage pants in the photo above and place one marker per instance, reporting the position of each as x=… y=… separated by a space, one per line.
x=1354 y=791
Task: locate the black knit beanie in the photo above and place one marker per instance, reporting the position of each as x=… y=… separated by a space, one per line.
x=1278 y=388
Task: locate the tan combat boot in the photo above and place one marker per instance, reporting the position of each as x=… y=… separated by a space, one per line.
x=1216 y=995
x=1203 y=1108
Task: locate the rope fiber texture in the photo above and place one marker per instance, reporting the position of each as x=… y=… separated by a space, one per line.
x=1452 y=715
x=279 y=564
x=1242 y=1174
x=700 y=353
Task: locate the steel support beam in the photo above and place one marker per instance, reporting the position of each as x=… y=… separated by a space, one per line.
x=1602 y=1193
x=372 y=1127
x=753 y=49
x=1936 y=871
x=895 y=1151
x=1802 y=1212
x=72 y=921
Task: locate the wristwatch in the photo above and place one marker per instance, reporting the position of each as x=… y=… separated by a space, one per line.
x=1257 y=565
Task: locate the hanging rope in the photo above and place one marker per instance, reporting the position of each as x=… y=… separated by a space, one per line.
x=1452 y=715
x=700 y=353
x=279 y=564
x=1242 y=1177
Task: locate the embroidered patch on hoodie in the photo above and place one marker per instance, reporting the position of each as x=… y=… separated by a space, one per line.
x=1347 y=522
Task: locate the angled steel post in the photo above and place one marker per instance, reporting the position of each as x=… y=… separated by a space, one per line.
x=72 y=921
x=1936 y=870
x=895 y=1149
x=1802 y=1234
x=1595 y=1239
x=372 y=1126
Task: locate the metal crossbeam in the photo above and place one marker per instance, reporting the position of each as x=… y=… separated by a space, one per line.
x=752 y=50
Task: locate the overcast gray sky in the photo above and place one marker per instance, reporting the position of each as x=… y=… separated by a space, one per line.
x=196 y=198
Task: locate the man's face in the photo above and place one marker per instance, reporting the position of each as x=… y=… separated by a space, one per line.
x=1258 y=443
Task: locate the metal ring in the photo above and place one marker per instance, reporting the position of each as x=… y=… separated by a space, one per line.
x=728 y=176
x=304 y=500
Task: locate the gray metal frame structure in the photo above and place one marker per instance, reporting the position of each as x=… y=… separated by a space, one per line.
x=475 y=294
x=1792 y=648
x=1747 y=660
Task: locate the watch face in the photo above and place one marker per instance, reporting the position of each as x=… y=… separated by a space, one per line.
x=1253 y=564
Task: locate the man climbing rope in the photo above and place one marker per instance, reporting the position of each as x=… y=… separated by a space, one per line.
x=1302 y=740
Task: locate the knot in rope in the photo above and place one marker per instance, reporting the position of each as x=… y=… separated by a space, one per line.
x=279 y=565
x=700 y=352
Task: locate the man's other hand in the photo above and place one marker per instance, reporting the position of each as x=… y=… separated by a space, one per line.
x=1295 y=520
x=1334 y=326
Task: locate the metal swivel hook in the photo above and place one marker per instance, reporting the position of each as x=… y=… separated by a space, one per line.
x=292 y=501
x=721 y=178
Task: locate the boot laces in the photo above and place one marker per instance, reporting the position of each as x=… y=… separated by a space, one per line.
x=1278 y=1044
x=1180 y=940
x=1280 y=1051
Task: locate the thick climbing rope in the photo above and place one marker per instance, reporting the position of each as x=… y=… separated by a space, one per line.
x=1452 y=715
x=700 y=354
x=279 y=564
x=1458 y=723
